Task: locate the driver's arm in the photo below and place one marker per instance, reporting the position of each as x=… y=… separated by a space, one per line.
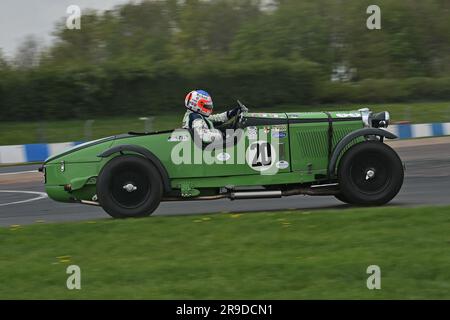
x=224 y=116
x=219 y=118
x=204 y=133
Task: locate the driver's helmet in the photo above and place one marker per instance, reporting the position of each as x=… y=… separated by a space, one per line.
x=199 y=101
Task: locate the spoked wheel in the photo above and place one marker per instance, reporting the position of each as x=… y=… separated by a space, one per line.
x=129 y=186
x=370 y=173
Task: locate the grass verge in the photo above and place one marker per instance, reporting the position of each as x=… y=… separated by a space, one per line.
x=267 y=255
x=73 y=130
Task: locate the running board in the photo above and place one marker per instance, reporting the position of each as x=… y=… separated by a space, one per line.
x=316 y=190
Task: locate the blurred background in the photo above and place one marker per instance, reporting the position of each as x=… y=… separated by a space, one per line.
x=131 y=64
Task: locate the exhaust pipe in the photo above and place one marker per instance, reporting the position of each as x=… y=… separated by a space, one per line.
x=90 y=203
x=315 y=190
x=255 y=195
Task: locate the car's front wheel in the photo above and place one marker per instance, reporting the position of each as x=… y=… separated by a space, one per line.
x=129 y=186
x=370 y=173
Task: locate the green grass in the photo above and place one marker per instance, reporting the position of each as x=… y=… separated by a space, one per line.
x=268 y=255
x=73 y=130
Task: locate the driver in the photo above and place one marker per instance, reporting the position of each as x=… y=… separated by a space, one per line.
x=198 y=116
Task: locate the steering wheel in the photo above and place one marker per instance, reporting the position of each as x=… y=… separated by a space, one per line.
x=239 y=115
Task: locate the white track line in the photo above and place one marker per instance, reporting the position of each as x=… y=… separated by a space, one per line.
x=41 y=195
x=20 y=172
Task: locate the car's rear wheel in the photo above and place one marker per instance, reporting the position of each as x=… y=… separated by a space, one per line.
x=129 y=186
x=370 y=173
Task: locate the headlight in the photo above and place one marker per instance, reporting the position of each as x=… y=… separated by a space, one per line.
x=380 y=120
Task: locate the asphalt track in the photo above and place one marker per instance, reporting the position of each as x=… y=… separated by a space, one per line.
x=427 y=182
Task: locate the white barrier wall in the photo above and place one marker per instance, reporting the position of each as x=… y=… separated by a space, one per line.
x=32 y=152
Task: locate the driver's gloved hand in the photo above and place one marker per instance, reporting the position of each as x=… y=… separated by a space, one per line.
x=244 y=109
x=233 y=112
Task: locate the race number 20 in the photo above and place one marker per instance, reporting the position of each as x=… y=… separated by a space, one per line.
x=260 y=155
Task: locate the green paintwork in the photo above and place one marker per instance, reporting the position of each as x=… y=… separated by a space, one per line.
x=303 y=152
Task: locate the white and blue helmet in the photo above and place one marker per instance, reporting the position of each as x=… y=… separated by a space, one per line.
x=199 y=101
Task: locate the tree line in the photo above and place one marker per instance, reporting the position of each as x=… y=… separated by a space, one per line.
x=145 y=56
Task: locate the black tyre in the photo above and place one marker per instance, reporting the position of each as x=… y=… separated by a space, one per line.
x=370 y=173
x=342 y=198
x=129 y=186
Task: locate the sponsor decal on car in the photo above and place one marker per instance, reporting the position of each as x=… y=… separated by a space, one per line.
x=252 y=133
x=348 y=115
x=282 y=164
x=223 y=156
x=178 y=138
x=279 y=127
x=279 y=134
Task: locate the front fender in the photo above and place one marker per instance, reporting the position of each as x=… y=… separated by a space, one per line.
x=144 y=152
x=78 y=183
x=351 y=136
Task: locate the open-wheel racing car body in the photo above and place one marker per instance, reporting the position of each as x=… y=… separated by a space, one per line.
x=268 y=155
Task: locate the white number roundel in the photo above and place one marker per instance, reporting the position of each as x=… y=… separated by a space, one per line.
x=260 y=155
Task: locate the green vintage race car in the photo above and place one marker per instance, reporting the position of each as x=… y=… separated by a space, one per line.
x=262 y=155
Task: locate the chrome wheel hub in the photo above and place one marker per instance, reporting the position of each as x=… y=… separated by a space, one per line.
x=370 y=174
x=129 y=187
